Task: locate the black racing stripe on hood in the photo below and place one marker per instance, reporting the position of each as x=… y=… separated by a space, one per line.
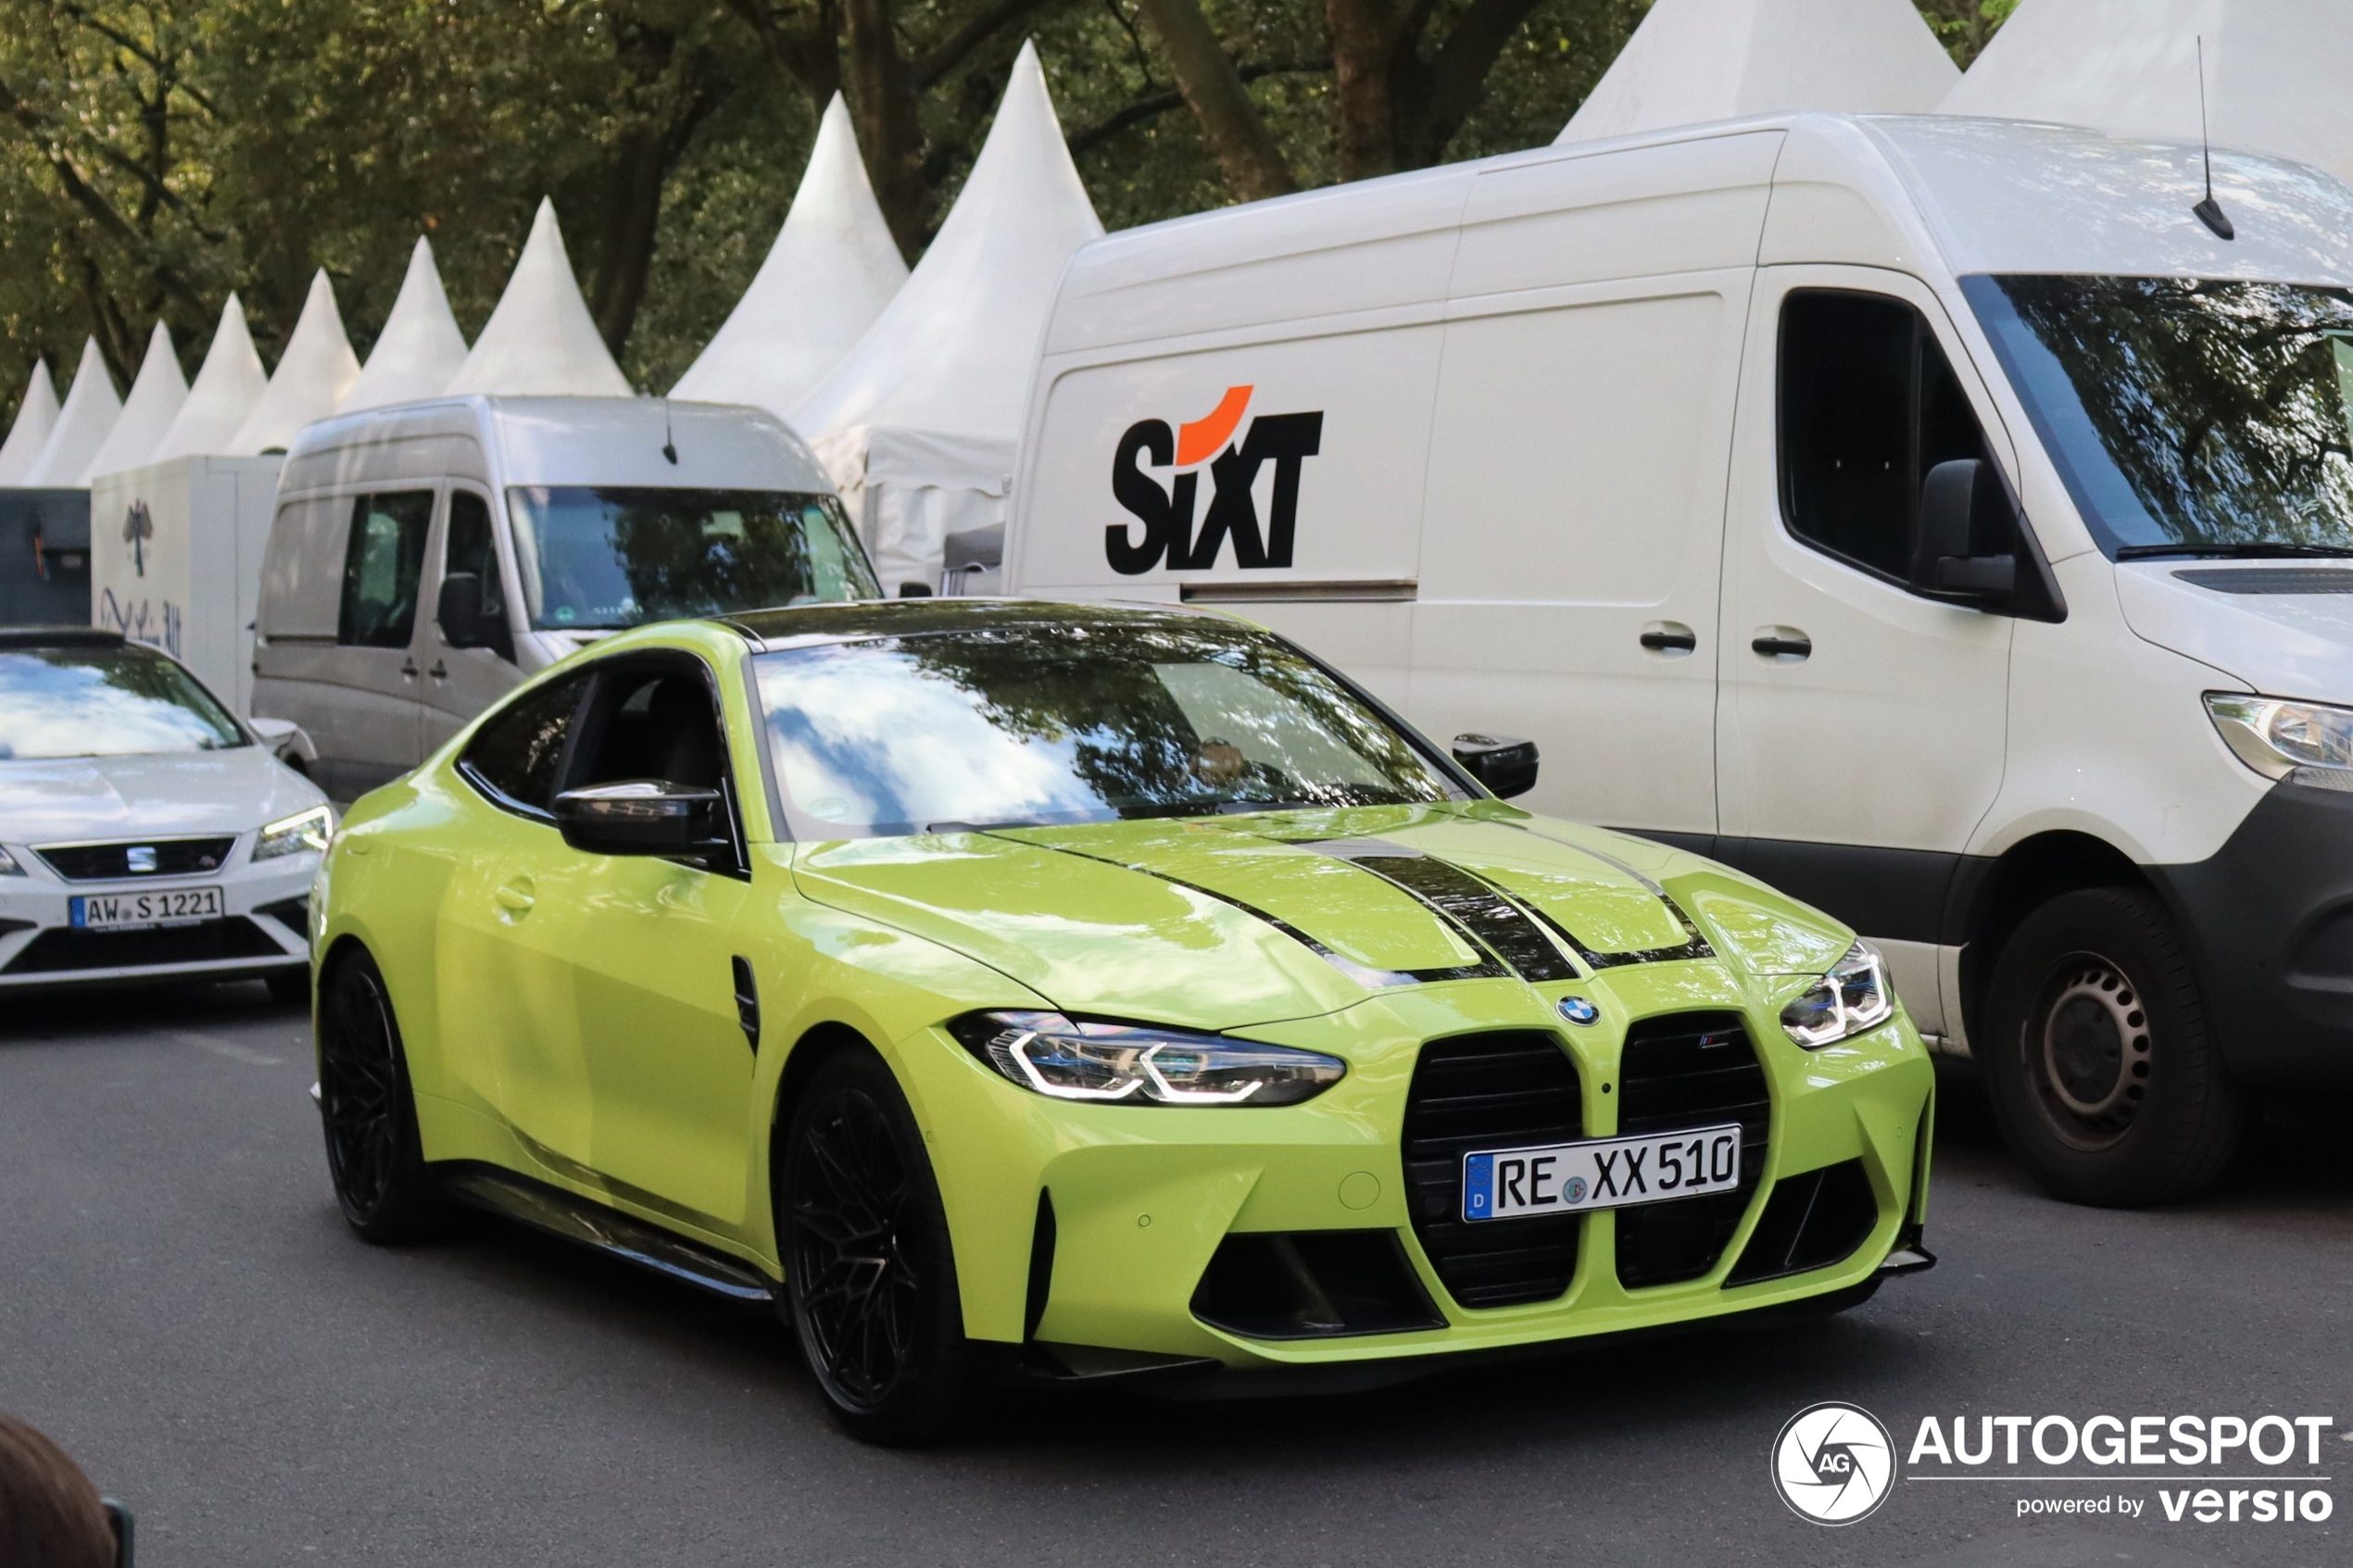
x=1477 y=911
x=1697 y=948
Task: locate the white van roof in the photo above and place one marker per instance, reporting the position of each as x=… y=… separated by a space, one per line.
x=1983 y=196
x=557 y=441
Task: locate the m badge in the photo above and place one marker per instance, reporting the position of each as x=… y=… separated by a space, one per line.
x=1234 y=453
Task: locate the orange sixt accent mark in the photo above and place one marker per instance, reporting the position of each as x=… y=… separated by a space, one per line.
x=1205 y=437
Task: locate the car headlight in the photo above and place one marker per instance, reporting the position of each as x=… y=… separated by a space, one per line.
x=2275 y=737
x=1852 y=996
x=1140 y=1063
x=287 y=835
x=9 y=866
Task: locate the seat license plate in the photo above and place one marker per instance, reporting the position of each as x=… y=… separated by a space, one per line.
x=128 y=911
x=1558 y=1178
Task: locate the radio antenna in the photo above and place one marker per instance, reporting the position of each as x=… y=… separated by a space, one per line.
x=2210 y=211
x=669 y=446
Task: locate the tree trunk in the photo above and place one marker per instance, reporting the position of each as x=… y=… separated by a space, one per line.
x=1365 y=36
x=1238 y=138
x=881 y=105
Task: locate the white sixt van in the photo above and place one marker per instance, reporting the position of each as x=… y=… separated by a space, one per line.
x=1936 y=518
x=426 y=556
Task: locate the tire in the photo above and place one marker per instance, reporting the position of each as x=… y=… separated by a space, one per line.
x=2105 y=1077
x=369 y=1110
x=870 y=1277
x=289 y=987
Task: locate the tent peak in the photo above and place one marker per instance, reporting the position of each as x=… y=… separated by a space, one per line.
x=36 y=416
x=420 y=348
x=228 y=385
x=156 y=398
x=540 y=341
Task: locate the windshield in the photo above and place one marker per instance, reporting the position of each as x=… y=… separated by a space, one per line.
x=105 y=701
x=1070 y=724
x=603 y=556
x=2187 y=417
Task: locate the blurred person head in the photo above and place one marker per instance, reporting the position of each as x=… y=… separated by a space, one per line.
x=50 y=1516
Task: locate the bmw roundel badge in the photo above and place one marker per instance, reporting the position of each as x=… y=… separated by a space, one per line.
x=1577 y=1009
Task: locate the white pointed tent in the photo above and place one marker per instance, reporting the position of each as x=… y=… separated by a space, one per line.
x=1696 y=60
x=84 y=421
x=420 y=348
x=830 y=274
x=154 y=403
x=316 y=369
x=228 y=383
x=919 y=425
x=540 y=341
x=36 y=416
x=2274 y=73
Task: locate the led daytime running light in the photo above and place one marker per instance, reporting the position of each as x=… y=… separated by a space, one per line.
x=1853 y=997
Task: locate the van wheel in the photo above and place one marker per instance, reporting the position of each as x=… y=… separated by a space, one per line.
x=2104 y=1074
x=368 y=1111
x=870 y=1279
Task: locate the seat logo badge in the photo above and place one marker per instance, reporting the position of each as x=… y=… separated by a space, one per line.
x=1234 y=453
x=1833 y=1463
x=139 y=857
x=1577 y=1009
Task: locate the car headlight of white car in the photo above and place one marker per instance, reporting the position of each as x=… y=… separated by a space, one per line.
x=1852 y=996
x=289 y=835
x=2275 y=737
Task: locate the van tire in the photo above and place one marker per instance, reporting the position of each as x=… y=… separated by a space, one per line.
x=2106 y=1078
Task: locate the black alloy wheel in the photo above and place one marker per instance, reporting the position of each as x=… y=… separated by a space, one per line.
x=870 y=1279
x=2106 y=1080
x=368 y=1110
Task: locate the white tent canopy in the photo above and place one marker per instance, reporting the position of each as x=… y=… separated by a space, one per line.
x=420 y=348
x=1696 y=60
x=541 y=342
x=228 y=385
x=831 y=272
x=2274 y=73
x=84 y=421
x=316 y=369
x=36 y=416
x=154 y=403
x=919 y=425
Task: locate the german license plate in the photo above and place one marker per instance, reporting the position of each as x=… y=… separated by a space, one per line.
x=1561 y=1178
x=128 y=911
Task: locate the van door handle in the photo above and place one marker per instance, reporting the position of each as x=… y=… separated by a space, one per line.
x=408 y=669
x=515 y=896
x=439 y=671
x=1669 y=636
x=1781 y=642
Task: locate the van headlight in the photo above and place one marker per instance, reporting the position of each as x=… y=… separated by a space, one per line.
x=2275 y=737
x=288 y=835
x=1852 y=996
x=1138 y=1063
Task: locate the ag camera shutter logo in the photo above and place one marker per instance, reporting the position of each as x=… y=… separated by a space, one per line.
x=1833 y=1463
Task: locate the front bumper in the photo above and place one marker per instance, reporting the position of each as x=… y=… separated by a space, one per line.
x=1128 y=1206
x=262 y=931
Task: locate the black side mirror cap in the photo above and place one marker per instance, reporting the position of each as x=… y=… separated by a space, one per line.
x=459 y=611
x=644 y=817
x=1504 y=763
x=1973 y=546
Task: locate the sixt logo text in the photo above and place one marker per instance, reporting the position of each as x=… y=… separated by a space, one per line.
x=1166 y=513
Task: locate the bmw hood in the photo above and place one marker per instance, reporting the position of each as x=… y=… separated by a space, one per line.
x=1221 y=923
x=170 y=795
x=2283 y=629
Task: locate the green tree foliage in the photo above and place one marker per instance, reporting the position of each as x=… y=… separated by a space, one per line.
x=157 y=154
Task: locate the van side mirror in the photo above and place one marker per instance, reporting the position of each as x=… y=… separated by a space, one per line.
x=1505 y=765
x=459 y=611
x=644 y=817
x=1963 y=508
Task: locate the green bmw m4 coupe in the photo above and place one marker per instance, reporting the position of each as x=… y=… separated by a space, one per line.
x=1091 y=993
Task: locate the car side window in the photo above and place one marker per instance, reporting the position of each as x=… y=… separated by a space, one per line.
x=381 y=560
x=515 y=757
x=1869 y=405
x=654 y=721
x=473 y=547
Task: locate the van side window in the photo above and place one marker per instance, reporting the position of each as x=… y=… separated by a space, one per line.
x=1869 y=405
x=514 y=758
x=472 y=549
x=382 y=561
x=652 y=721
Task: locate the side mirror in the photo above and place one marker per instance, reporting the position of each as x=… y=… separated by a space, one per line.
x=459 y=611
x=643 y=816
x=1506 y=766
x=1964 y=509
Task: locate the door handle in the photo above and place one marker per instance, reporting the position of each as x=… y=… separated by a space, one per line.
x=515 y=896
x=1669 y=636
x=439 y=671
x=408 y=669
x=1781 y=642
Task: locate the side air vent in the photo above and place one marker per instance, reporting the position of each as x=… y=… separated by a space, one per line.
x=1489 y=1091
x=1813 y=1220
x=1689 y=1070
x=1313 y=1285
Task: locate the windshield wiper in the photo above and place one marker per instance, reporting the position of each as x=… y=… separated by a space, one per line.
x=2244 y=551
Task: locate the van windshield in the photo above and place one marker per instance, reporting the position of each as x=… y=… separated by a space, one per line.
x=2186 y=415
x=601 y=557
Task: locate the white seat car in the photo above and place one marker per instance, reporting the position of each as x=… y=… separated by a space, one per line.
x=145 y=833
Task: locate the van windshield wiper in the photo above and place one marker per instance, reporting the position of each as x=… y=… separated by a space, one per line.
x=2242 y=551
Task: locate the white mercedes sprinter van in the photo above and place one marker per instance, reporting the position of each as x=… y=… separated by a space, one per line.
x=524 y=527
x=1936 y=518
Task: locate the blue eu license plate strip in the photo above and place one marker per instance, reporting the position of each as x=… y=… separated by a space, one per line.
x=1562 y=1178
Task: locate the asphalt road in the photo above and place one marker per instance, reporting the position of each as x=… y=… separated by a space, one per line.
x=181 y=1308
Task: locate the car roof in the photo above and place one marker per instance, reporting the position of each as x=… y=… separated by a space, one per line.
x=58 y=637
x=803 y=624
